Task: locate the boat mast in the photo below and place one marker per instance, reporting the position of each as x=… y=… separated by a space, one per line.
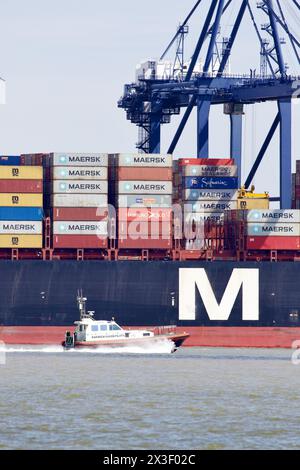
x=81 y=301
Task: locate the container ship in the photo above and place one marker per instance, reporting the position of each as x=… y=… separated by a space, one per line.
x=151 y=241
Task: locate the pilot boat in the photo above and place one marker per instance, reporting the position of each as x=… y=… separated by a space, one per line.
x=94 y=333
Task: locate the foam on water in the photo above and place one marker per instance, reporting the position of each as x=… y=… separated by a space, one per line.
x=160 y=347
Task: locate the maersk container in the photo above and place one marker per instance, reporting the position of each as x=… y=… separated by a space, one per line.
x=275 y=230
x=143 y=200
x=145 y=187
x=206 y=161
x=21 y=172
x=79 y=173
x=148 y=244
x=198 y=217
x=210 y=206
x=21 y=213
x=79 y=187
x=144 y=214
x=143 y=160
x=21 y=241
x=209 y=183
x=80 y=228
x=79 y=159
x=196 y=194
x=21 y=186
x=210 y=170
x=134 y=230
x=274 y=216
x=144 y=174
x=273 y=243
x=79 y=213
x=79 y=200
x=10 y=160
x=21 y=227
x=79 y=241
x=21 y=200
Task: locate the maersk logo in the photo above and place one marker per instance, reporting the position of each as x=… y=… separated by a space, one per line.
x=196 y=278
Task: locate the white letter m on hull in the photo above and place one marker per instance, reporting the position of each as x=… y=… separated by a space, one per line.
x=192 y=278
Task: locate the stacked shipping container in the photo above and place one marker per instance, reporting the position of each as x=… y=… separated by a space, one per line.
x=21 y=204
x=142 y=193
x=273 y=229
x=206 y=189
x=79 y=200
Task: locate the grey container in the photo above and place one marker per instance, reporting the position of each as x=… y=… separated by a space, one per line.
x=142 y=160
x=79 y=187
x=79 y=159
x=142 y=200
x=145 y=187
x=79 y=173
x=214 y=195
x=210 y=170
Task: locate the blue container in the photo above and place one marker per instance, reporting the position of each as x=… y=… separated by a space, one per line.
x=10 y=160
x=207 y=182
x=21 y=213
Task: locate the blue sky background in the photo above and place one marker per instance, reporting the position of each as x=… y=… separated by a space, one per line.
x=66 y=61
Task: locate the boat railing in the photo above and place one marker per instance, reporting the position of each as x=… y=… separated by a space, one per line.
x=164 y=330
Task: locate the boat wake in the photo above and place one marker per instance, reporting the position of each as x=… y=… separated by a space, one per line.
x=160 y=347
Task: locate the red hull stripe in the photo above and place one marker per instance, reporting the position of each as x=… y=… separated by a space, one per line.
x=256 y=337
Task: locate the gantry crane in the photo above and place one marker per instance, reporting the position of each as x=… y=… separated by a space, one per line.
x=154 y=98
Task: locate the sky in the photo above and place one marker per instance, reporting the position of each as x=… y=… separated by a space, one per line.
x=65 y=63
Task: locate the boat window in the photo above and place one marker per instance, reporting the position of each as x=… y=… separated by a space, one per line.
x=114 y=327
x=103 y=327
x=94 y=327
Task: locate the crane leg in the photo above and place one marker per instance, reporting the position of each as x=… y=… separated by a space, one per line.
x=155 y=134
x=236 y=130
x=203 y=109
x=285 y=110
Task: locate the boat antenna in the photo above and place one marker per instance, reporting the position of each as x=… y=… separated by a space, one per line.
x=81 y=301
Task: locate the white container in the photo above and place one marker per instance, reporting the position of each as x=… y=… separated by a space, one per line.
x=274 y=216
x=214 y=217
x=273 y=230
x=210 y=170
x=79 y=187
x=79 y=173
x=210 y=206
x=143 y=200
x=143 y=160
x=79 y=159
x=79 y=200
x=21 y=227
x=80 y=228
x=145 y=187
x=206 y=195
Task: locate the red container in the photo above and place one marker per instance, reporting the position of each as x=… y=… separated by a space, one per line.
x=21 y=186
x=79 y=213
x=138 y=229
x=205 y=161
x=273 y=243
x=144 y=214
x=144 y=174
x=79 y=241
x=297 y=192
x=145 y=244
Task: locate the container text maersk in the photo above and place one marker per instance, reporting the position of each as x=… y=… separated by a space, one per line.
x=192 y=280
